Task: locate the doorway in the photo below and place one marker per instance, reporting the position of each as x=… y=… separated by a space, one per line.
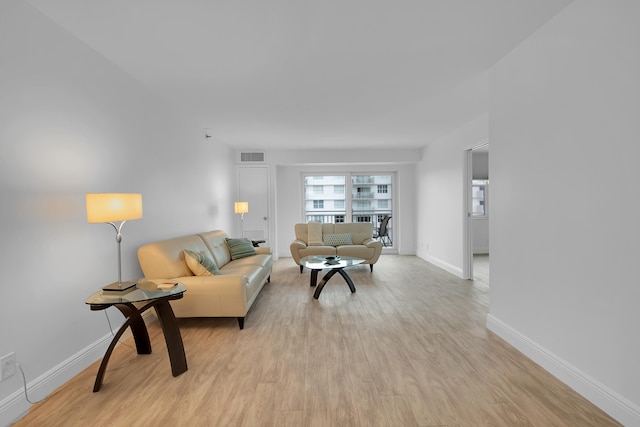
x=253 y=187
x=476 y=213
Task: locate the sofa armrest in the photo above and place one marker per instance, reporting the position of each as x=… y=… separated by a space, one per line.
x=295 y=247
x=232 y=287
x=223 y=295
x=299 y=244
x=371 y=243
x=263 y=250
x=376 y=245
x=223 y=283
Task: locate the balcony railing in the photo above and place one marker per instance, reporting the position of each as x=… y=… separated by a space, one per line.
x=364 y=195
x=374 y=217
x=363 y=179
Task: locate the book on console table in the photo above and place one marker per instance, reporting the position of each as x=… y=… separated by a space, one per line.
x=120 y=288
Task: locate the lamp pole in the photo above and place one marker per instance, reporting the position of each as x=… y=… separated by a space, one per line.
x=119 y=239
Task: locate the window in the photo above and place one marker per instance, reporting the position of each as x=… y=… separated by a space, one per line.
x=363 y=193
x=361 y=205
x=479 y=197
x=348 y=197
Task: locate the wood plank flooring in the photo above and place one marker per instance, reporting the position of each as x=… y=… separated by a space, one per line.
x=409 y=348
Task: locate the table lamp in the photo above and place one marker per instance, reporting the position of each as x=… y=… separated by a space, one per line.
x=242 y=208
x=110 y=208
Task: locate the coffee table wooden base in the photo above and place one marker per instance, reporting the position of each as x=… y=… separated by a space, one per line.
x=325 y=279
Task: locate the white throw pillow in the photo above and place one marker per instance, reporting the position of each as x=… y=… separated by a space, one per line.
x=315 y=234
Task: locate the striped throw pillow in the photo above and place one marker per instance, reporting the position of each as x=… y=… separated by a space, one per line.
x=200 y=264
x=240 y=248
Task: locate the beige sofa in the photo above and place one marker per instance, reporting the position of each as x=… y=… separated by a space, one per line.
x=229 y=294
x=363 y=245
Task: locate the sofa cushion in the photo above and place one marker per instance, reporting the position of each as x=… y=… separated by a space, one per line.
x=337 y=239
x=200 y=264
x=240 y=248
x=360 y=231
x=215 y=241
x=315 y=234
x=164 y=259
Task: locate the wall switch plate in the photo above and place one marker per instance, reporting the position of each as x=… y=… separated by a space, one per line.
x=8 y=366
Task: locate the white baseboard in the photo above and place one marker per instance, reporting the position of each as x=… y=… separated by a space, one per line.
x=600 y=395
x=15 y=406
x=457 y=271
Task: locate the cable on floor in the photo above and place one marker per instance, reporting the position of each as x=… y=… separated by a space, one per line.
x=24 y=381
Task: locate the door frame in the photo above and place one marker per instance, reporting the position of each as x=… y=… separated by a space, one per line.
x=467 y=229
x=239 y=196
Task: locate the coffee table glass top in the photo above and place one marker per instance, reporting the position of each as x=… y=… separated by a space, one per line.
x=145 y=290
x=317 y=262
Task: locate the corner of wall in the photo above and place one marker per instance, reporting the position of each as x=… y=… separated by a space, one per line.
x=441 y=264
x=600 y=395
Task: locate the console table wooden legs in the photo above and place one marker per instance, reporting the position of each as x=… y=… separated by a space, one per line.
x=135 y=321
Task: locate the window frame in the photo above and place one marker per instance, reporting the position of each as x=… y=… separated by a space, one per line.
x=347 y=184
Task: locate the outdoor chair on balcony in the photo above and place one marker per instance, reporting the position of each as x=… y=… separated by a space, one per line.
x=382 y=233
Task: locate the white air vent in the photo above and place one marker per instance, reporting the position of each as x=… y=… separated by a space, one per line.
x=252 y=157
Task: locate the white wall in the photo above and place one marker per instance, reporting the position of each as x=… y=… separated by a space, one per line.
x=72 y=123
x=441 y=196
x=480 y=235
x=565 y=144
x=480 y=165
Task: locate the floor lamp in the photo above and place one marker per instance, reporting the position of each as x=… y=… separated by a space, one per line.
x=242 y=208
x=110 y=208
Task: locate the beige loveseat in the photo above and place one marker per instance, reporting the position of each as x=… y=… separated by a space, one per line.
x=227 y=294
x=312 y=239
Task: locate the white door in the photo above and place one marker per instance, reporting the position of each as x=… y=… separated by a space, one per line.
x=253 y=187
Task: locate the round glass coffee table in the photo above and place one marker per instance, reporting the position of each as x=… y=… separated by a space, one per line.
x=335 y=265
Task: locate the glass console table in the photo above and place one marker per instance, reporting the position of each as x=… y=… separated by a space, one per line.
x=146 y=294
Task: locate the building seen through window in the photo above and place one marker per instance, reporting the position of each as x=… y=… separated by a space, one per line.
x=348 y=198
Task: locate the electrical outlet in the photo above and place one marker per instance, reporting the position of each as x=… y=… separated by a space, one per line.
x=8 y=366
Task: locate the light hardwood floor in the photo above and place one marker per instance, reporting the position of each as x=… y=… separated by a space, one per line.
x=409 y=348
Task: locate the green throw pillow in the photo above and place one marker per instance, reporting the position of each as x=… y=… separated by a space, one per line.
x=240 y=248
x=200 y=264
x=337 y=239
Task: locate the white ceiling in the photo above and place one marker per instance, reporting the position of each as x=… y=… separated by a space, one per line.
x=281 y=74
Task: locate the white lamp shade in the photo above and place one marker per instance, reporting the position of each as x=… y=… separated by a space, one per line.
x=111 y=207
x=242 y=207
